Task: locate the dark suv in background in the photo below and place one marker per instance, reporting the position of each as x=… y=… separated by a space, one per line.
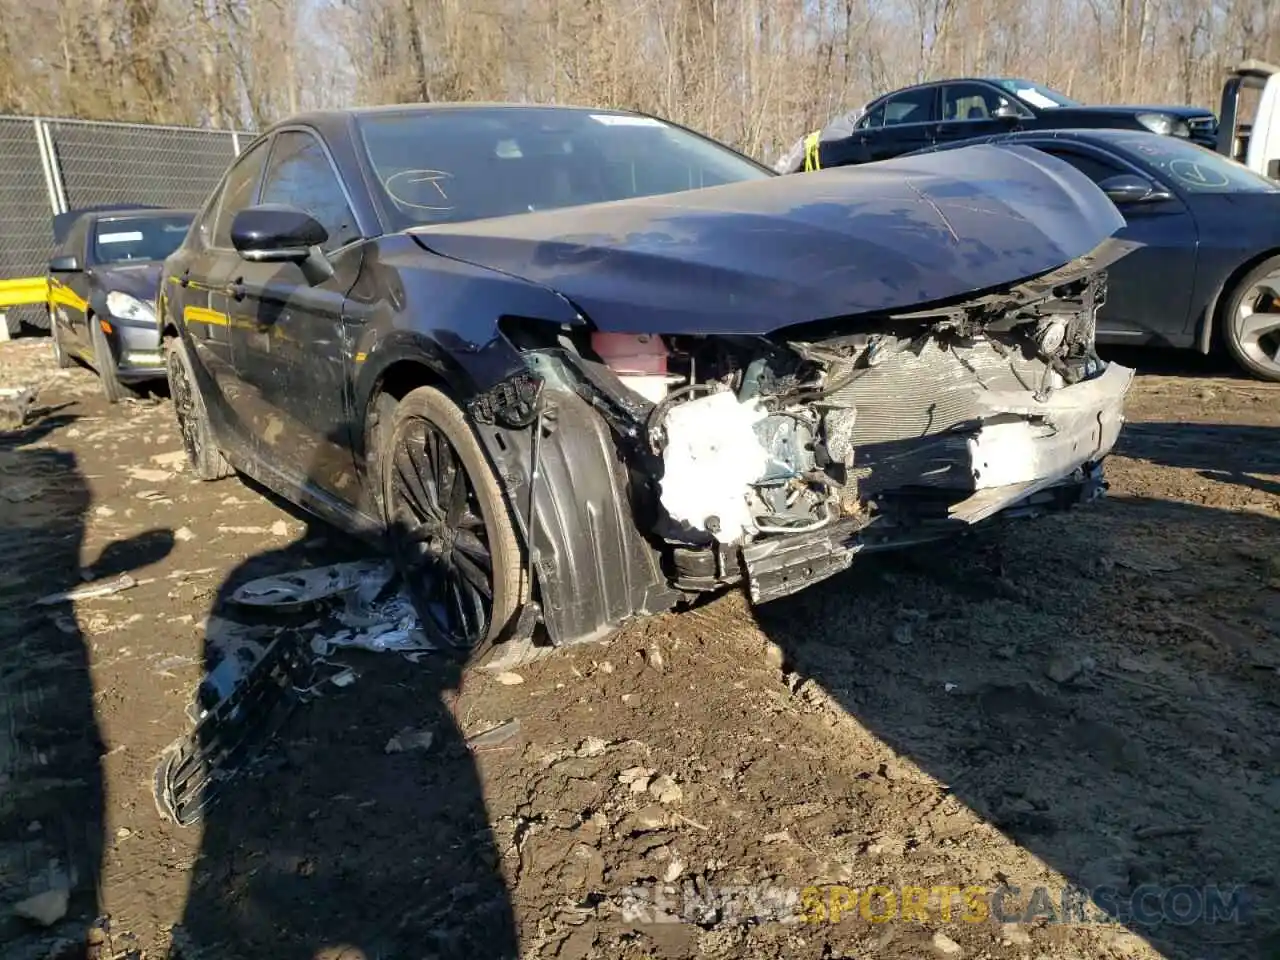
x=929 y=114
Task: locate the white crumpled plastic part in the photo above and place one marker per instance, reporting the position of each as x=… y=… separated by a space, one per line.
x=711 y=459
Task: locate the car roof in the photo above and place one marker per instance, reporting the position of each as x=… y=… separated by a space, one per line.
x=132 y=212
x=63 y=222
x=941 y=82
x=332 y=121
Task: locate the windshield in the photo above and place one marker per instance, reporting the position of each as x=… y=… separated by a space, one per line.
x=138 y=238
x=1037 y=95
x=1194 y=168
x=450 y=165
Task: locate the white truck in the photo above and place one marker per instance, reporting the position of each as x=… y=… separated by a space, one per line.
x=1249 y=118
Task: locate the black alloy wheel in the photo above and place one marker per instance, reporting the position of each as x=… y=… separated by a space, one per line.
x=448 y=525
x=207 y=461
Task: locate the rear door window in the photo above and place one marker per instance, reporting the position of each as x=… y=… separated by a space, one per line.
x=910 y=106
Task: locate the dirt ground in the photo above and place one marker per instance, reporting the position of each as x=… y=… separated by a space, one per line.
x=1085 y=701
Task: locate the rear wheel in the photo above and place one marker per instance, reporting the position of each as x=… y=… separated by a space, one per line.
x=447 y=524
x=205 y=458
x=105 y=363
x=1251 y=321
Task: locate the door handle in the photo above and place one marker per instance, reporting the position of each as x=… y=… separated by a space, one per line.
x=237 y=288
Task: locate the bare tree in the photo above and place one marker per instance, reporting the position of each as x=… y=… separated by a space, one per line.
x=755 y=73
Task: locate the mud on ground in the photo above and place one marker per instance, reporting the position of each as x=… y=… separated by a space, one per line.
x=1088 y=700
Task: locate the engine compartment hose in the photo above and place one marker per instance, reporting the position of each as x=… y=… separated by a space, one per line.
x=662 y=406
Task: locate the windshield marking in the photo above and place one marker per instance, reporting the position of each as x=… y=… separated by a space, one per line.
x=460 y=167
x=1193 y=174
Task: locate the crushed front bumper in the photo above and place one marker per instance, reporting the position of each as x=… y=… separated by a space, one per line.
x=781 y=566
x=1050 y=460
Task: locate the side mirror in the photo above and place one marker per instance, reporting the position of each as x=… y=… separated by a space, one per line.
x=1127 y=188
x=68 y=263
x=276 y=233
x=1006 y=111
x=279 y=233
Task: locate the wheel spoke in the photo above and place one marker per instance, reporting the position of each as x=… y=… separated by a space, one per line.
x=469 y=613
x=409 y=487
x=467 y=543
x=436 y=460
x=437 y=582
x=426 y=465
x=1267 y=289
x=441 y=539
x=457 y=503
x=408 y=463
x=1254 y=326
x=473 y=574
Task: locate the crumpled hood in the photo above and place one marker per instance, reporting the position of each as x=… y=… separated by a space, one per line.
x=139 y=279
x=755 y=256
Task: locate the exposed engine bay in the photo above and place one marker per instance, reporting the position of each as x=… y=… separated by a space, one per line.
x=754 y=383
x=772 y=459
x=787 y=435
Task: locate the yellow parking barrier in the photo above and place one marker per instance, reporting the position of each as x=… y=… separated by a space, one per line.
x=24 y=290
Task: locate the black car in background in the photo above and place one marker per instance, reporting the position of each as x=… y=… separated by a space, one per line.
x=579 y=366
x=103 y=279
x=947 y=111
x=1210 y=230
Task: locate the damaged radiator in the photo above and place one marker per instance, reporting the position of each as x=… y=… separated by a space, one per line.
x=909 y=419
x=922 y=392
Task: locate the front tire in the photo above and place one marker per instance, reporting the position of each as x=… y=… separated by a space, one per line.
x=59 y=353
x=1250 y=321
x=105 y=363
x=448 y=525
x=207 y=461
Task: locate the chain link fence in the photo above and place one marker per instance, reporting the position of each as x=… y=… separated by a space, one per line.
x=51 y=166
x=25 y=210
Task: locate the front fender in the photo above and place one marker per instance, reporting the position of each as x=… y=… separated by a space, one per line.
x=410 y=306
x=593 y=567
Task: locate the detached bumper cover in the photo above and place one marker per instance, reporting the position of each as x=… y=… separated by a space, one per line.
x=1050 y=460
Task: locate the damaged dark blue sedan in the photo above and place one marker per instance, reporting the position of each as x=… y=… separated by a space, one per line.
x=580 y=366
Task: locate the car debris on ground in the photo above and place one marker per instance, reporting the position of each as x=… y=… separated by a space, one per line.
x=251 y=687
